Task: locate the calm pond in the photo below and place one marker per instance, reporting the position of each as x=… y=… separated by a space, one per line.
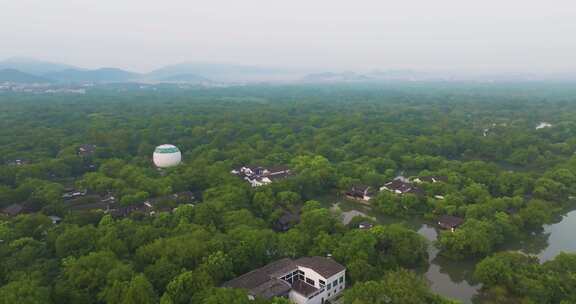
x=454 y=279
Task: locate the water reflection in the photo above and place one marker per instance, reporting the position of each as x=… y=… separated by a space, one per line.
x=532 y=243
x=560 y=237
x=448 y=278
x=549 y=241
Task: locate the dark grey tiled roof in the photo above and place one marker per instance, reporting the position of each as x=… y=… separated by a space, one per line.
x=272 y=288
x=257 y=277
x=403 y=187
x=90 y=206
x=264 y=282
x=303 y=288
x=13 y=210
x=324 y=266
x=449 y=221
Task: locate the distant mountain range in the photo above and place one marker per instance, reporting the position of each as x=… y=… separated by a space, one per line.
x=221 y=72
x=21 y=70
x=177 y=73
x=373 y=76
x=98 y=75
x=12 y=75
x=24 y=70
x=33 y=66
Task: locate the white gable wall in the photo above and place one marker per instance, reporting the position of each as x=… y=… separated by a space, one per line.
x=327 y=293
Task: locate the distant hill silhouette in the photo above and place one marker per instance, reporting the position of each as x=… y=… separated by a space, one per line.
x=12 y=75
x=98 y=75
x=33 y=66
x=217 y=71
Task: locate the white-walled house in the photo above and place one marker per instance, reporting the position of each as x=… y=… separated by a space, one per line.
x=307 y=280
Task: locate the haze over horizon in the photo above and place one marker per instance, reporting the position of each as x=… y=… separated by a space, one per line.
x=491 y=36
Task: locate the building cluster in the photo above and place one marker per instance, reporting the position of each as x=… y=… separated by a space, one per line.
x=81 y=200
x=38 y=88
x=307 y=280
x=400 y=185
x=260 y=176
x=109 y=204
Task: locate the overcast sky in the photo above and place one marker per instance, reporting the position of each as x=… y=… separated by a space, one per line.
x=475 y=35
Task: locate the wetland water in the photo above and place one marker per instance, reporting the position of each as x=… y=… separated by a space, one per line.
x=454 y=279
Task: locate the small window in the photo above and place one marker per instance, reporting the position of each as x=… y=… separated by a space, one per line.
x=310 y=281
x=329 y=286
x=335 y=283
x=341 y=279
x=322 y=283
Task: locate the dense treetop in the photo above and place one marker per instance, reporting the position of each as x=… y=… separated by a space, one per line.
x=504 y=177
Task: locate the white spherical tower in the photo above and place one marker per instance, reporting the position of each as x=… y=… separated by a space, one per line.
x=166 y=156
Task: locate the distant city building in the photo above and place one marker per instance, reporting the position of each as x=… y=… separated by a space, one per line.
x=543 y=125
x=260 y=176
x=307 y=280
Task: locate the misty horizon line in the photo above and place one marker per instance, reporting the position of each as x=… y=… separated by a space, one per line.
x=293 y=68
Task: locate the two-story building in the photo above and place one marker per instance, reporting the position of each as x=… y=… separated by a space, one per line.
x=307 y=280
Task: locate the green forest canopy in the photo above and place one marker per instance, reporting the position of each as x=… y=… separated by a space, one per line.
x=505 y=177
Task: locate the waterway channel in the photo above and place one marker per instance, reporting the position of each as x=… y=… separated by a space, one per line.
x=454 y=279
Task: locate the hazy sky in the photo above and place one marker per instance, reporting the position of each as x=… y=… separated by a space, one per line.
x=479 y=35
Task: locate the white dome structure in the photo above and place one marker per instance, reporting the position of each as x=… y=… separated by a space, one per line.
x=166 y=156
